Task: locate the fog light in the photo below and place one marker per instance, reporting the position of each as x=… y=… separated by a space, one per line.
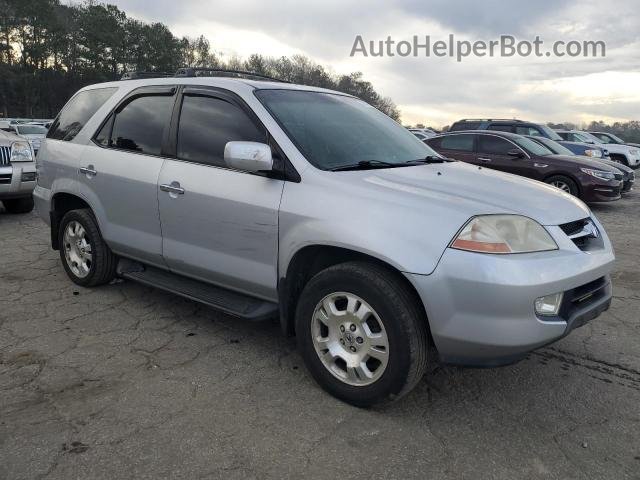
x=549 y=304
x=28 y=177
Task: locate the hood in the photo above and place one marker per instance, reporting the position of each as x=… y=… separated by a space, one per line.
x=7 y=138
x=460 y=190
x=33 y=136
x=610 y=163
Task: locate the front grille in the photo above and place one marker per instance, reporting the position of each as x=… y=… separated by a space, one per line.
x=5 y=178
x=577 y=302
x=618 y=175
x=581 y=232
x=5 y=155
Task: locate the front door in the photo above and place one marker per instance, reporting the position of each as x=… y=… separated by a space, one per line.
x=218 y=224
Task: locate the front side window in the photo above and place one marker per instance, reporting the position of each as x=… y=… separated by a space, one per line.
x=207 y=124
x=77 y=113
x=334 y=131
x=500 y=127
x=528 y=131
x=494 y=145
x=461 y=143
x=549 y=133
x=139 y=125
x=534 y=147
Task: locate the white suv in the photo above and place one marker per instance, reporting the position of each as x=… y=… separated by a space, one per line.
x=628 y=155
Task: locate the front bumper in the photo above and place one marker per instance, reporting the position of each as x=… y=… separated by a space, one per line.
x=481 y=307
x=17 y=180
x=607 y=191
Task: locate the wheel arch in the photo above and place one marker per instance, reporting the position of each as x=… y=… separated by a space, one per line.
x=569 y=176
x=310 y=260
x=61 y=203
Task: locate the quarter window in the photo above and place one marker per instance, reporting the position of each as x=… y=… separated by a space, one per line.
x=207 y=124
x=139 y=126
x=77 y=113
x=494 y=145
x=463 y=143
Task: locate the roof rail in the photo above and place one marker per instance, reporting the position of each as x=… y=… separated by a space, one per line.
x=137 y=75
x=490 y=120
x=220 y=72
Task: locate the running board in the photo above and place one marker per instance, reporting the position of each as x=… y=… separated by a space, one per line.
x=228 y=301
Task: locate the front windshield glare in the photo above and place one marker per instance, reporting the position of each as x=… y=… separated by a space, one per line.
x=334 y=130
x=550 y=133
x=533 y=147
x=31 y=130
x=554 y=146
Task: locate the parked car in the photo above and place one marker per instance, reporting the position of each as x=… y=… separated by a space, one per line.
x=606 y=138
x=262 y=199
x=516 y=154
x=629 y=156
x=6 y=126
x=628 y=178
x=521 y=127
x=33 y=133
x=17 y=173
x=423 y=133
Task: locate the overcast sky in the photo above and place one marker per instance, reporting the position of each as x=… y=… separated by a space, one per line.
x=437 y=91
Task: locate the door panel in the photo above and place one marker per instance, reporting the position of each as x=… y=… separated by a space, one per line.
x=123 y=193
x=223 y=228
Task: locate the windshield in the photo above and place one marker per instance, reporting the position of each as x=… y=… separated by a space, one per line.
x=555 y=147
x=550 y=133
x=334 y=130
x=587 y=137
x=532 y=147
x=31 y=130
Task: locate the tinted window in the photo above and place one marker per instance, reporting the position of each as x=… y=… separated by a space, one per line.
x=102 y=137
x=139 y=126
x=533 y=147
x=435 y=142
x=464 y=126
x=494 y=145
x=207 y=124
x=462 y=143
x=500 y=127
x=77 y=113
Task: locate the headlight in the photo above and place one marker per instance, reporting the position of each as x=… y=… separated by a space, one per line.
x=633 y=151
x=599 y=174
x=503 y=234
x=21 y=152
x=593 y=153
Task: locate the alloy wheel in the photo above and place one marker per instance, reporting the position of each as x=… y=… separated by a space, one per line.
x=77 y=249
x=350 y=339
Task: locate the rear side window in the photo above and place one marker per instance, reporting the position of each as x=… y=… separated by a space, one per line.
x=139 y=126
x=494 y=145
x=463 y=143
x=435 y=142
x=533 y=131
x=207 y=124
x=77 y=113
x=457 y=126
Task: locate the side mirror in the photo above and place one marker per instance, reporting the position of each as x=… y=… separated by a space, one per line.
x=248 y=156
x=515 y=153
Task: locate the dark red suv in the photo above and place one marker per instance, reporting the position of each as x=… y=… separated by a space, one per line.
x=589 y=180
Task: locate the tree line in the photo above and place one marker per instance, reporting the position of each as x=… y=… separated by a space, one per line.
x=49 y=50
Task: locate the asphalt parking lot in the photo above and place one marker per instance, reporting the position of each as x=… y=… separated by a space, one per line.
x=124 y=381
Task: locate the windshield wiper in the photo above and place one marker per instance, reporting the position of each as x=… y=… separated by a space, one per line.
x=428 y=159
x=365 y=165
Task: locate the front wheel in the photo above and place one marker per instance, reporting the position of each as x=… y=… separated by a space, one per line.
x=362 y=334
x=565 y=184
x=86 y=257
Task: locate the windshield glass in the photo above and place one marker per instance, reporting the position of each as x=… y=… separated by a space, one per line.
x=588 y=137
x=532 y=147
x=334 y=130
x=31 y=130
x=555 y=147
x=616 y=138
x=550 y=133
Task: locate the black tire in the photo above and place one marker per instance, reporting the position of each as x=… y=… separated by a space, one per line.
x=18 y=205
x=104 y=262
x=403 y=318
x=571 y=185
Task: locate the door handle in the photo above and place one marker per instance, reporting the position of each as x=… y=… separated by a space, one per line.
x=173 y=187
x=89 y=171
x=483 y=159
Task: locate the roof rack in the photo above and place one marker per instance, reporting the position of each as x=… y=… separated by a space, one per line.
x=220 y=72
x=137 y=75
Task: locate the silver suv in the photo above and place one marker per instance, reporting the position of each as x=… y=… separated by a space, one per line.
x=17 y=173
x=267 y=199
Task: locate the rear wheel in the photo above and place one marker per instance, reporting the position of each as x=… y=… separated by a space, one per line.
x=19 y=205
x=361 y=333
x=85 y=256
x=565 y=184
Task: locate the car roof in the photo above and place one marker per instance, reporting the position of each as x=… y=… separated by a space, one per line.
x=229 y=83
x=484 y=132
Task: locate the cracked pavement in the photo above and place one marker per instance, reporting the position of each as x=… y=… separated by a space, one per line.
x=124 y=381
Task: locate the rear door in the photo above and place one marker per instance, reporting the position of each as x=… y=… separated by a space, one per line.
x=460 y=146
x=218 y=224
x=119 y=172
